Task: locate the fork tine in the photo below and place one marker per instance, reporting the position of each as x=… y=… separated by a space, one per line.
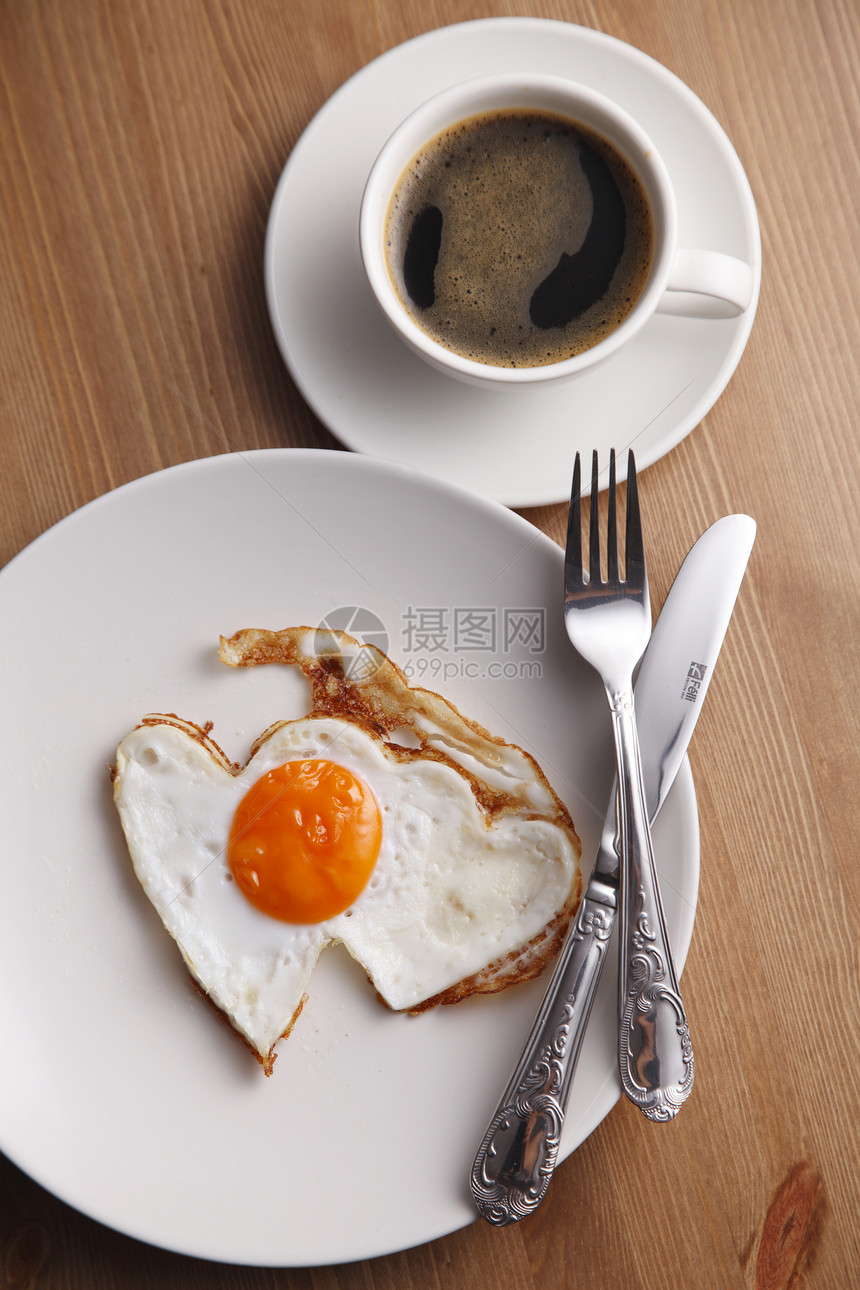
x=573 y=549
x=635 y=561
x=594 y=526
x=612 y=530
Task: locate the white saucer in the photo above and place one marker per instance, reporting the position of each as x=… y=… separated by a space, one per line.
x=515 y=446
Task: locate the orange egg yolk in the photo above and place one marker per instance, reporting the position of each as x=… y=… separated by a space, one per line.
x=304 y=841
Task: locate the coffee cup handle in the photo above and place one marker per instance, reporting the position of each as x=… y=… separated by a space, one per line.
x=707 y=284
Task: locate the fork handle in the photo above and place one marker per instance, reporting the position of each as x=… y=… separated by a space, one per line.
x=655 y=1056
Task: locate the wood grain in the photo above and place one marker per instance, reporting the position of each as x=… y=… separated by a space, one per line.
x=139 y=150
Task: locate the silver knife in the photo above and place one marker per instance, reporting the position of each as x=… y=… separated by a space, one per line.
x=517 y=1157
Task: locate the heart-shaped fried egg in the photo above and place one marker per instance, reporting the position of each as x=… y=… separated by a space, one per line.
x=445 y=868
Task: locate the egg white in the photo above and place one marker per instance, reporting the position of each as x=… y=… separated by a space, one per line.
x=451 y=890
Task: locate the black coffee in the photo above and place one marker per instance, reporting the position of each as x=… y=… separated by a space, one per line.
x=519 y=238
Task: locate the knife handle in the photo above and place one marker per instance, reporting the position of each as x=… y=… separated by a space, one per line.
x=517 y=1157
x=655 y=1055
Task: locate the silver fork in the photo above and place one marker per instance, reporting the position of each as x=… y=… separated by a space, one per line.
x=609 y=624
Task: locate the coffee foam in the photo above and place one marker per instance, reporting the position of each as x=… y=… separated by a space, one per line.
x=515 y=202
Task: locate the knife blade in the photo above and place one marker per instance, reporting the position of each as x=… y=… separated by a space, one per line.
x=518 y=1154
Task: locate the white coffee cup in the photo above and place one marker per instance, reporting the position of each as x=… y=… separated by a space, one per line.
x=695 y=283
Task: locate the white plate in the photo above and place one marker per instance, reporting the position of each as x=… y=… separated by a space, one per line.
x=120 y=1090
x=516 y=445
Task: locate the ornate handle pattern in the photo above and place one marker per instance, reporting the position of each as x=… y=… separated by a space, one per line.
x=655 y=1055
x=517 y=1157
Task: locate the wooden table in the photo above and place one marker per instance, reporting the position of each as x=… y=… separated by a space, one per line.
x=140 y=149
